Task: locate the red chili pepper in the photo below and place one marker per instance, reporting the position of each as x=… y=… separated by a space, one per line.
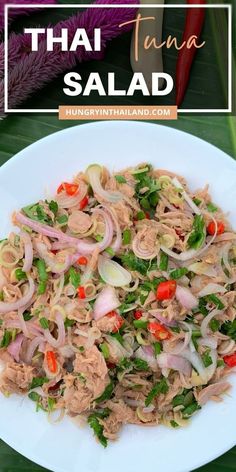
x=70 y=189
x=110 y=365
x=166 y=290
x=51 y=361
x=220 y=228
x=81 y=293
x=54 y=251
x=179 y=233
x=193 y=27
x=119 y=320
x=159 y=331
x=230 y=360
x=138 y=314
x=82 y=261
x=83 y=203
x=147 y=216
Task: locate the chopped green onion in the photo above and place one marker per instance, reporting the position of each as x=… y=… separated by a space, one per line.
x=44 y=323
x=140 y=324
x=62 y=220
x=220 y=363
x=126 y=237
x=110 y=251
x=7 y=338
x=141 y=215
x=20 y=275
x=42 y=288
x=69 y=323
x=164 y=259
x=178 y=273
x=51 y=404
x=187 y=412
x=144 y=202
x=105 y=350
x=42 y=272
x=34 y=396
x=202 y=306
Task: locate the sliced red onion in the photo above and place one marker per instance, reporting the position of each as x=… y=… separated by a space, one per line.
x=67 y=201
x=28 y=251
x=45 y=230
x=106 y=301
x=24 y=328
x=113 y=273
x=170 y=361
x=94 y=173
x=51 y=260
x=208 y=341
x=60 y=341
x=33 y=345
x=32 y=328
x=186 y=298
x=15 y=347
x=196 y=361
x=225 y=256
x=5 y=307
x=206 y=321
x=201 y=268
x=116 y=245
x=225 y=237
x=148 y=409
x=187 y=198
x=211 y=288
x=162 y=319
x=146 y=353
x=179 y=346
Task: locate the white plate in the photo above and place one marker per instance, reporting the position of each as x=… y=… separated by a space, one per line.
x=24 y=179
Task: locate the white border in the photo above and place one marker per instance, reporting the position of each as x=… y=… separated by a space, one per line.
x=35 y=5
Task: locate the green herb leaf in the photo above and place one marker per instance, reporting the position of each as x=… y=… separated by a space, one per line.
x=120 y=179
x=36 y=212
x=93 y=421
x=140 y=364
x=51 y=404
x=217 y=302
x=174 y=424
x=214 y=325
x=69 y=323
x=20 y=275
x=53 y=206
x=134 y=263
x=106 y=395
x=178 y=273
x=164 y=259
x=157 y=348
x=206 y=358
x=159 y=387
x=44 y=323
x=211 y=207
x=202 y=306
x=141 y=215
x=124 y=364
x=197 y=236
x=42 y=288
x=229 y=328
x=197 y=201
x=38 y=382
x=74 y=277
x=34 y=396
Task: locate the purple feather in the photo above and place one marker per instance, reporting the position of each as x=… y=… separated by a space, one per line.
x=13 y=13
x=35 y=69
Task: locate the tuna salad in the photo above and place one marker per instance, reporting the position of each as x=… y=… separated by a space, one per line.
x=117 y=301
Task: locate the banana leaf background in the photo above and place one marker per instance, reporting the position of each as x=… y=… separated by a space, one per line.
x=19 y=131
